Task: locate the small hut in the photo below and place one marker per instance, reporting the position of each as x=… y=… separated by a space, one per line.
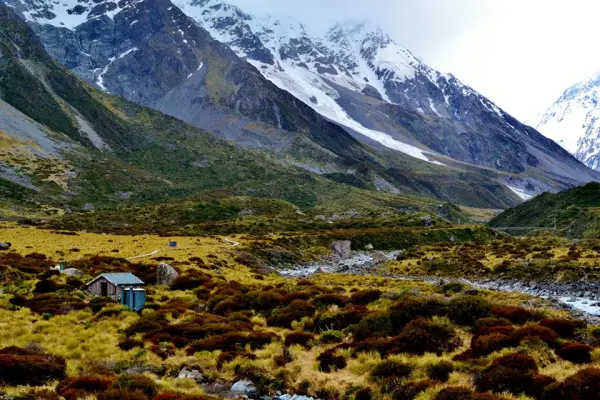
x=112 y=284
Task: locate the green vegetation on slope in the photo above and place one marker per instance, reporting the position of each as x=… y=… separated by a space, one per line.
x=576 y=212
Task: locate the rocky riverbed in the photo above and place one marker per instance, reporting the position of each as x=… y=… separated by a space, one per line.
x=581 y=298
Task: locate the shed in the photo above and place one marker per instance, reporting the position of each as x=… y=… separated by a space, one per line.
x=112 y=284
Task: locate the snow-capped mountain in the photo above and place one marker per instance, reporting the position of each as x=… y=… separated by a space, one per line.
x=162 y=54
x=573 y=121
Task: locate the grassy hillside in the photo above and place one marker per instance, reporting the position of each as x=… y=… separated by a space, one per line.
x=576 y=212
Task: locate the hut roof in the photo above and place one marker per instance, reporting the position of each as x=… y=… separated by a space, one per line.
x=120 y=278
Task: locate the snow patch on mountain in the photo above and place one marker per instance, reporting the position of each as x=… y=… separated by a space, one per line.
x=573 y=121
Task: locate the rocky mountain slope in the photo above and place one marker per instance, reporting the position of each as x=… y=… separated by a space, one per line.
x=65 y=144
x=395 y=120
x=573 y=121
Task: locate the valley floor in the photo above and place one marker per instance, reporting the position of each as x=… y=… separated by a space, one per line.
x=232 y=317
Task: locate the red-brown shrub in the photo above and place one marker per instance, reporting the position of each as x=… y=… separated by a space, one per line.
x=72 y=388
x=329 y=299
x=498 y=378
x=364 y=297
x=577 y=353
x=502 y=330
x=563 y=327
x=410 y=308
x=329 y=361
x=301 y=338
x=516 y=361
x=410 y=390
x=465 y=310
x=440 y=371
x=284 y=316
x=454 y=393
x=535 y=331
x=122 y=394
x=517 y=315
x=133 y=382
x=584 y=385
x=27 y=367
x=422 y=336
x=129 y=343
x=539 y=385
x=489 y=322
x=233 y=342
x=487 y=344
x=341 y=319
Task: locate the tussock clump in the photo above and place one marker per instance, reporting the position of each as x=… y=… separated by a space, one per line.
x=563 y=327
x=301 y=338
x=329 y=337
x=466 y=310
x=517 y=315
x=27 y=367
x=390 y=369
x=577 y=353
x=284 y=316
x=228 y=356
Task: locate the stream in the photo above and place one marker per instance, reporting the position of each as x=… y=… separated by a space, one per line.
x=580 y=298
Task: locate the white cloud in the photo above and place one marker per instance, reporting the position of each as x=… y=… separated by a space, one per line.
x=520 y=54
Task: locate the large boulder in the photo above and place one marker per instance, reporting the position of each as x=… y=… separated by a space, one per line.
x=341 y=249
x=245 y=387
x=380 y=257
x=165 y=274
x=5 y=245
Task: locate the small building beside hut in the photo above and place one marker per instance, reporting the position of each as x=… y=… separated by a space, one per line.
x=112 y=284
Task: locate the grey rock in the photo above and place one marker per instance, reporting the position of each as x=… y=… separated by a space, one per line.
x=380 y=257
x=341 y=249
x=194 y=374
x=72 y=272
x=245 y=387
x=165 y=274
x=369 y=247
x=141 y=369
x=5 y=245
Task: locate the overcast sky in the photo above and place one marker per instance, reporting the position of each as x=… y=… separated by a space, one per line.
x=522 y=54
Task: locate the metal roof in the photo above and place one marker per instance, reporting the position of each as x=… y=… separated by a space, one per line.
x=121 y=278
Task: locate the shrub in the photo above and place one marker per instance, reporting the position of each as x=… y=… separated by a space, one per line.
x=584 y=385
x=267 y=301
x=517 y=315
x=539 y=386
x=27 y=367
x=563 y=327
x=502 y=330
x=329 y=299
x=535 y=331
x=284 y=316
x=410 y=308
x=233 y=342
x=301 y=338
x=329 y=361
x=452 y=287
x=73 y=388
x=516 y=361
x=454 y=393
x=390 y=369
x=46 y=286
x=490 y=322
x=499 y=378
x=363 y=394
x=422 y=336
x=364 y=297
x=132 y=383
x=18 y=300
x=341 y=319
x=577 y=353
x=122 y=394
x=466 y=310
x=377 y=324
x=487 y=344
x=440 y=371
x=410 y=390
